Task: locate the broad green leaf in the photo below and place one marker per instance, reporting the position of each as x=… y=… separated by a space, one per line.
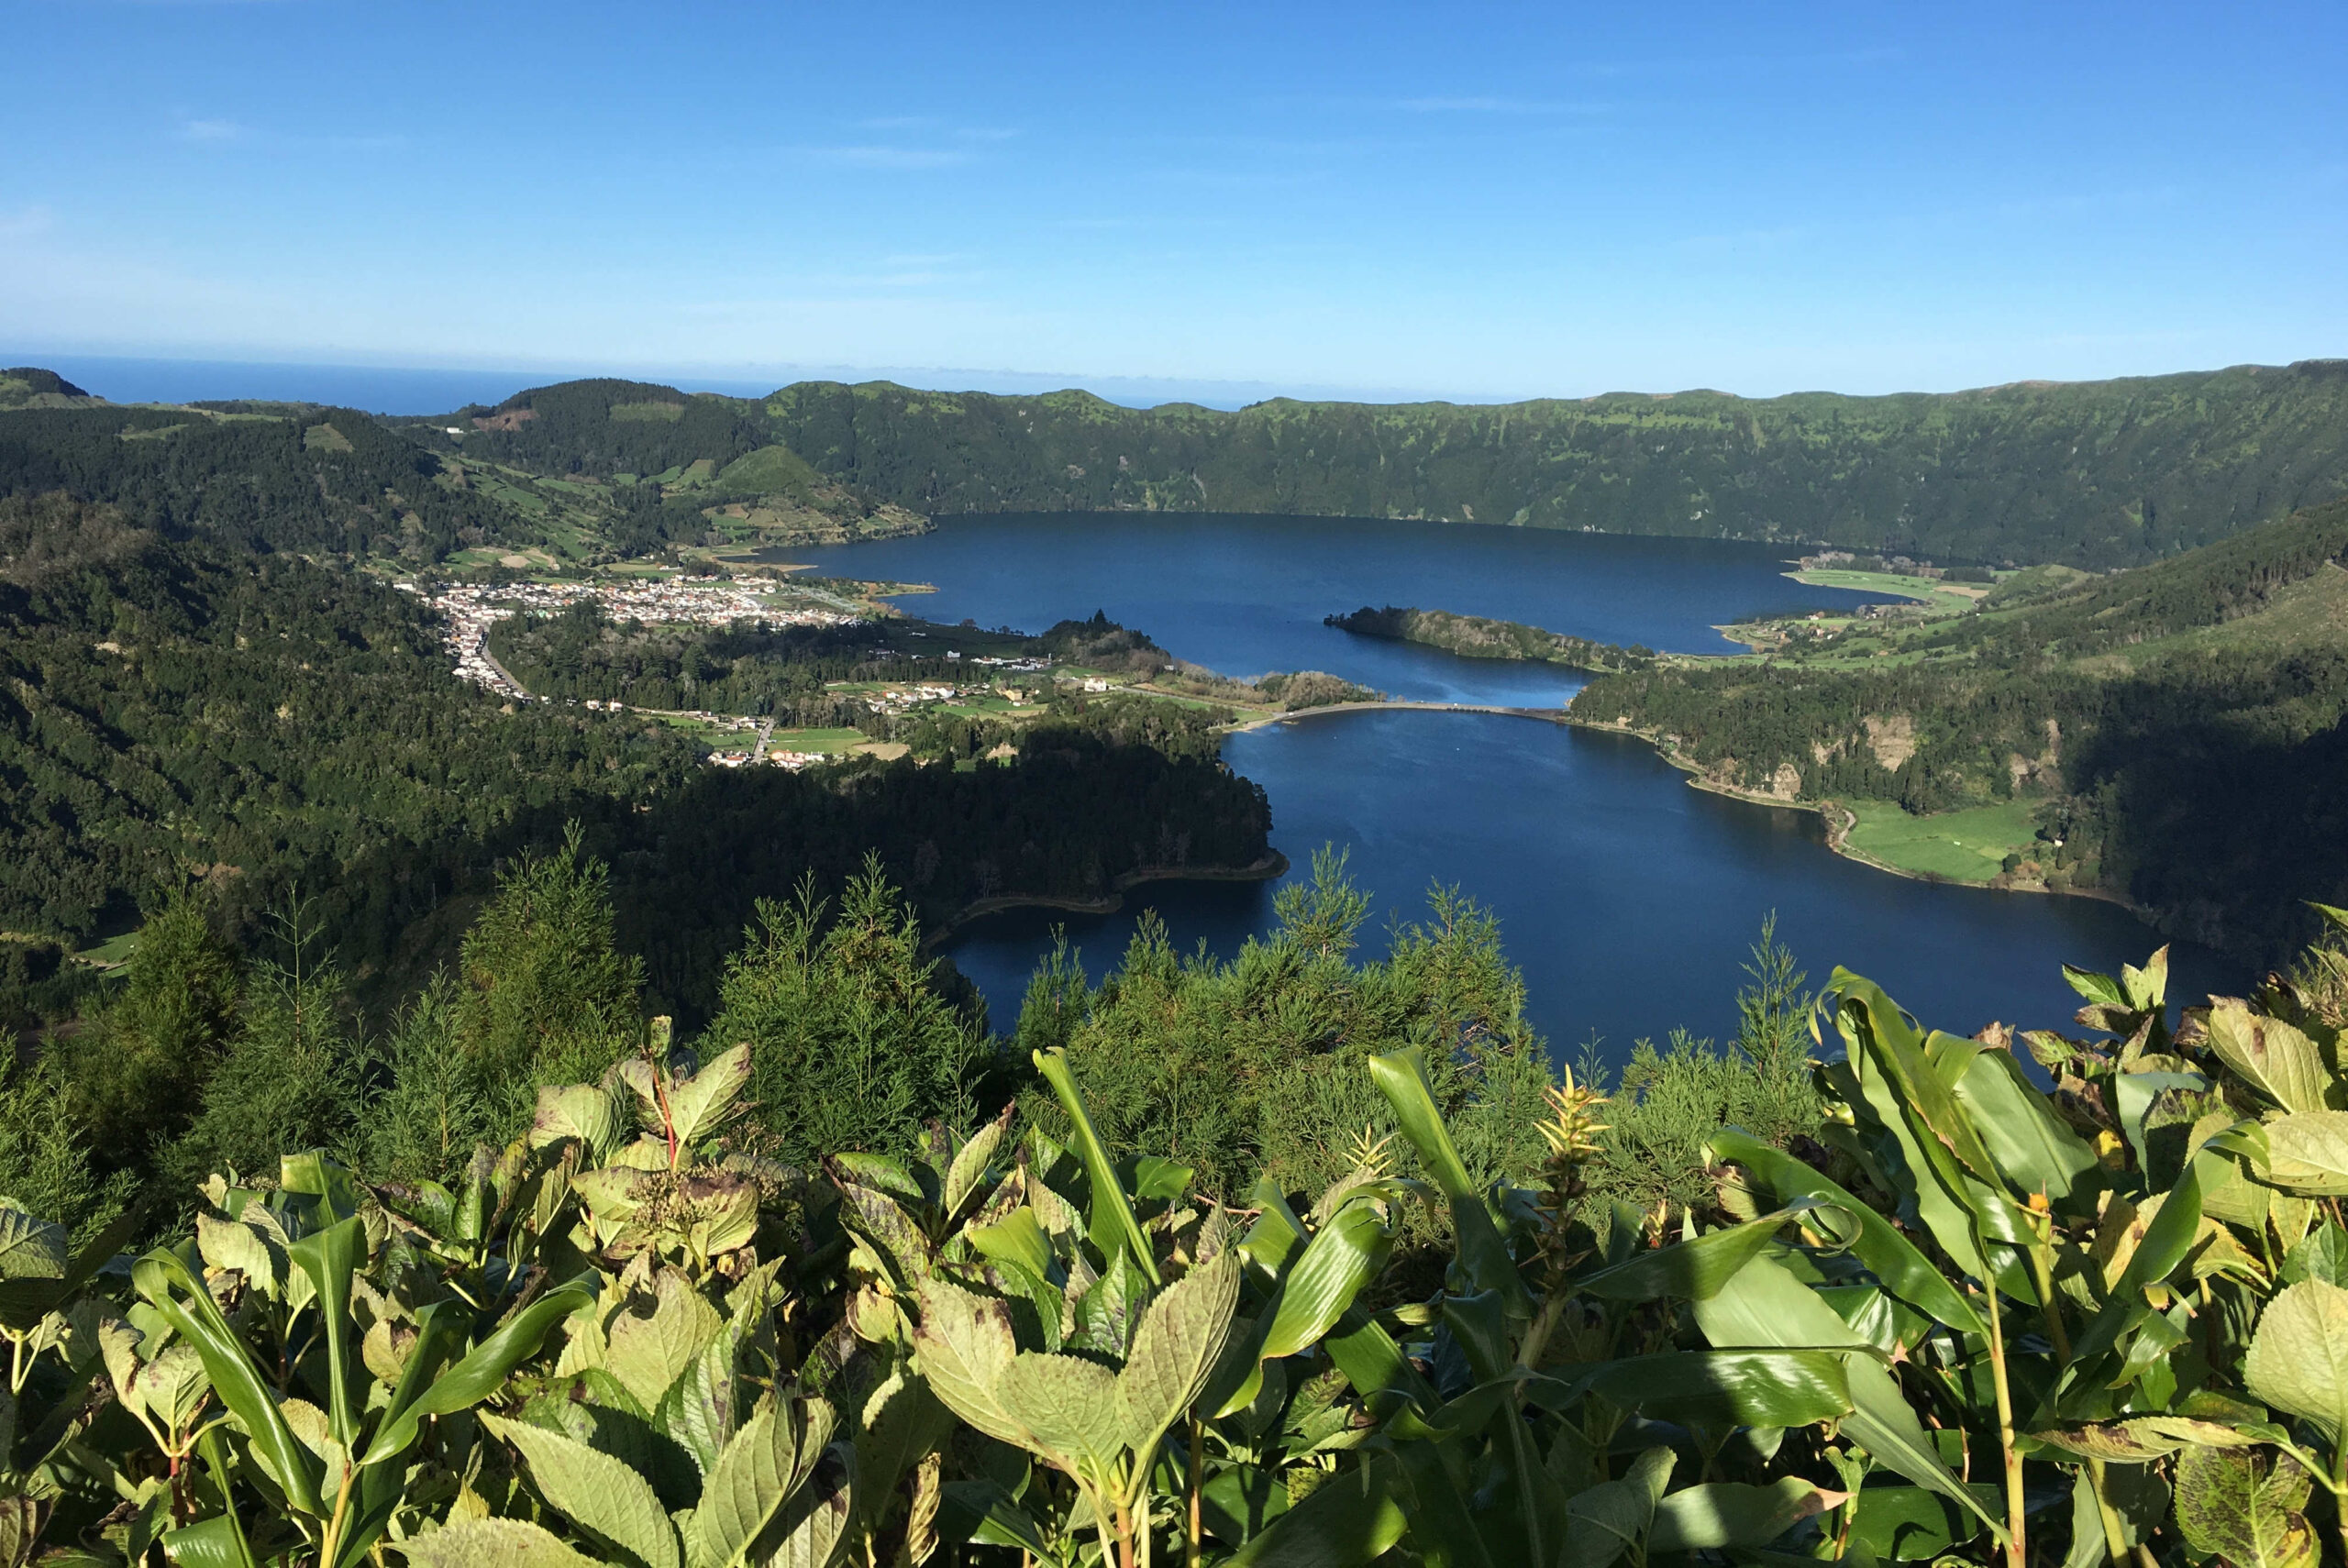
x=1182 y=1333
x=2167 y=1242
x=808 y=1534
x=2322 y=1255
x=1869 y=1018
x=1276 y=1233
x=481 y=1372
x=1766 y=1306
x=650 y=1350
x=964 y=1345
x=902 y=1421
x=232 y=1244
x=2230 y=1505
x=1345 y=1255
x=1018 y=1238
x=216 y=1543
x=1238 y=1504
x=1067 y=1405
x=2032 y=1147
x=596 y=1492
x=965 y=1176
x=1687 y=1271
x=588 y=1113
x=491 y=1544
x=896 y=1240
x=2299 y=1358
x=1348 y=1523
x=329 y=1257
x=699 y=1105
x=1904 y=1271
x=1610 y=1518
x=1484 y=1260
x=1724 y=1514
x=2270 y=1055
x=2307 y=1152
x=2101 y=989
x=766 y=1462
x=2137 y=1439
x=1113 y=1223
x=159 y=1278
x=1716 y=1389
x=1912 y=1524
x=983 y=1512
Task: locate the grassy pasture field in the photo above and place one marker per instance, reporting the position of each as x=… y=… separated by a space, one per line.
x=1967 y=846
x=1927 y=591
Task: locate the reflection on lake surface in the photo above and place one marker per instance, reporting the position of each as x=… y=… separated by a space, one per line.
x=1628 y=899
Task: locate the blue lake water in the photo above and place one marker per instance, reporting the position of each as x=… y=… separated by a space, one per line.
x=1629 y=899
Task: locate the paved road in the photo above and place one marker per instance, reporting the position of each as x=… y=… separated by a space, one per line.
x=1553 y=715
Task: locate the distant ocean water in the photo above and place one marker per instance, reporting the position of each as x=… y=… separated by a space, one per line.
x=378 y=389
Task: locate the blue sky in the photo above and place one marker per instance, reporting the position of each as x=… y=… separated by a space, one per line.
x=1456 y=200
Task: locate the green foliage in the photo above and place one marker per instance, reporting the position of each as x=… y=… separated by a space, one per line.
x=2169 y=725
x=2095 y=473
x=1252 y=1068
x=1668 y=1103
x=851 y=1045
x=1477 y=636
x=44 y=1165
x=544 y=996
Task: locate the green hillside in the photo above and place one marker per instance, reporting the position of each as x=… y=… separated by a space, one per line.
x=2175 y=729
x=2094 y=474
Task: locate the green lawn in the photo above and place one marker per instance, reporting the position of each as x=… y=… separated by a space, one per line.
x=1963 y=847
x=114 y=950
x=1925 y=589
x=829 y=742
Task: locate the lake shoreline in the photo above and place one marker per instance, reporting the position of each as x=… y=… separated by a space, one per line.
x=1838 y=833
x=1270 y=867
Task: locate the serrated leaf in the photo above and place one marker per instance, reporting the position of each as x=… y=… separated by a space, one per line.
x=2230 y=1505
x=814 y=1525
x=2307 y=1152
x=230 y=1244
x=491 y=1544
x=596 y=1492
x=963 y=1346
x=970 y=1165
x=2323 y=1256
x=649 y=1351
x=700 y=1104
x=2270 y=1055
x=700 y=1409
x=1181 y=1334
x=755 y=1478
x=30 y=1247
x=1067 y=1406
x=2299 y=1357
x=902 y=1421
x=588 y=1112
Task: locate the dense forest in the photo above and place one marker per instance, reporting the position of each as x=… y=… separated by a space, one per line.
x=1479 y=636
x=2181 y=723
x=178 y=713
x=2096 y=474
x=2093 y=474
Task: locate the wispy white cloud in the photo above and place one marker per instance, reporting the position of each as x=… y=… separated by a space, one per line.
x=897 y=122
x=986 y=133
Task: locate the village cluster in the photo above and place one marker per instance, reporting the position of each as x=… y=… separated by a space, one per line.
x=469 y=611
x=473 y=610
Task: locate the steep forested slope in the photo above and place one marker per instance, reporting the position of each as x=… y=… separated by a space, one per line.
x=2094 y=473
x=2180 y=726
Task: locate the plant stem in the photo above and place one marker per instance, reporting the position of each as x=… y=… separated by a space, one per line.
x=2016 y=1528
x=1191 y=1552
x=2042 y=1268
x=2339 y=1496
